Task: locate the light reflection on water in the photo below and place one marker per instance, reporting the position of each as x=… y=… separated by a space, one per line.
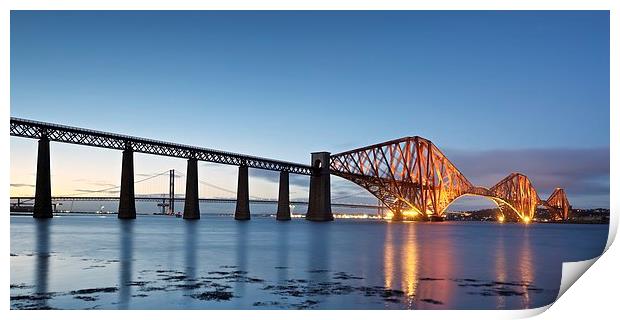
x=526 y=266
x=410 y=262
x=402 y=262
x=500 y=269
x=327 y=265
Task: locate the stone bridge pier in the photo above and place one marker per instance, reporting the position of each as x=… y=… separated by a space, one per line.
x=191 y=209
x=319 y=200
x=284 y=209
x=127 y=202
x=242 y=211
x=43 y=187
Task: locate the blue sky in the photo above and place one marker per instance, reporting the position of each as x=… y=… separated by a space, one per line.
x=284 y=84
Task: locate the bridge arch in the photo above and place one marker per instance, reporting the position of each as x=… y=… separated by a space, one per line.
x=412 y=174
x=505 y=208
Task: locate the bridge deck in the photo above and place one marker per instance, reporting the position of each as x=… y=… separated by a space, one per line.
x=60 y=133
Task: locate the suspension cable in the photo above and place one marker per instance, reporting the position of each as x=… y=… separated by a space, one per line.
x=116 y=187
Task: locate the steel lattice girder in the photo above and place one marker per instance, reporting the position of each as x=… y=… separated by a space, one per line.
x=406 y=174
x=558 y=203
x=517 y=191
x=413 y=174
x=34 y=129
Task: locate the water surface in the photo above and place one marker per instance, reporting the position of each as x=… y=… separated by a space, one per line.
x=159 y=262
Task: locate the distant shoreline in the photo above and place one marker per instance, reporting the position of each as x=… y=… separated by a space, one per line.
x=28 y=214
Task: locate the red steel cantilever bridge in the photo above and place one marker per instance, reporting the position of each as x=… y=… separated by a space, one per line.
x=411 y=175
x=408 y=175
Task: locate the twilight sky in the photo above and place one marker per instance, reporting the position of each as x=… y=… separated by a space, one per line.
x=496 y=91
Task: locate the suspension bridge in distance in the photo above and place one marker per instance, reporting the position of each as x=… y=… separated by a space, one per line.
x=17 y=201
x=409 y=176
x=167 y=201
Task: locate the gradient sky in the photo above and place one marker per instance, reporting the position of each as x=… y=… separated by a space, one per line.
x=496 y=91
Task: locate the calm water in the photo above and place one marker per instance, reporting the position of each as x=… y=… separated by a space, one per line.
x=100 y=262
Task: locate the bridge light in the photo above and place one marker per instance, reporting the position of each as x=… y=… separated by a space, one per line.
x=500 y=219
x=526 y=219
x=389 y=215
x=410 y=213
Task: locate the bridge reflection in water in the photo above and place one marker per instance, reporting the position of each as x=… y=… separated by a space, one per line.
x=126 y=245
x=500 y=268
x=450 y=265
x=43 y=253
x=424 y=266
x=401 y=261
x=526 y=267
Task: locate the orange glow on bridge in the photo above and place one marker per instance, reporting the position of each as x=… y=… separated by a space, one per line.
x=411 y=213
x=411 y=176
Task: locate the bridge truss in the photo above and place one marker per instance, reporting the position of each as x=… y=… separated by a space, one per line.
x=60 y=133
x=411 y=176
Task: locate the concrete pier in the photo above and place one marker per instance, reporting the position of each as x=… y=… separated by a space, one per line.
x=242 y=212
x=191 y=210
x=127 y=203
x=284 y=209
x=319 y=201
x=43 y=191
